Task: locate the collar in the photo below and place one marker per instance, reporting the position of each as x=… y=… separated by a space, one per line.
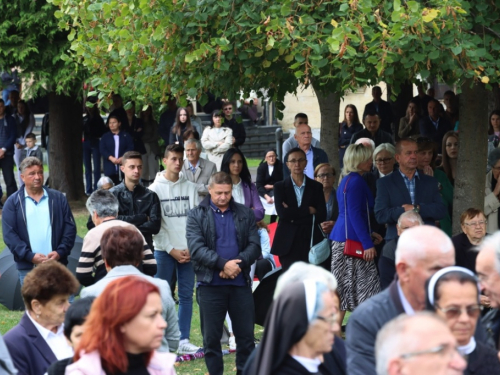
x=217 y=209
x=239 y=183
x=44 y=332
x=434 y=122
x=309 y=151
x=406 y=305
x=295 y=185
x=45 y=195
x=194 y=166
x=406 y=177
x=468 y=348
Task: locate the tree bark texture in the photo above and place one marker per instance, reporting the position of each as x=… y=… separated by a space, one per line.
x=400 y=104
x=65 y=145
x=472 y=156
x=329 y=106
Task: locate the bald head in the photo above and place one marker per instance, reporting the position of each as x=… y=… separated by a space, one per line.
x=488 y=268
x=421 y=252
x=400 y=339
x=303 y=136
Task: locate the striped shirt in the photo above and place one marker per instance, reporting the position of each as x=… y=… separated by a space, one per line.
x=91 y=266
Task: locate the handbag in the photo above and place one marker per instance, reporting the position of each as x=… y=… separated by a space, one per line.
x=353 y=248
x=321 y=251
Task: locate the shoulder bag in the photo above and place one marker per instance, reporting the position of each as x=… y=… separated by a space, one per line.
x=321 y=251
x=353 y=248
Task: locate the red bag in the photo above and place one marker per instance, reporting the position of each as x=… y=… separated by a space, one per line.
x=353 y=248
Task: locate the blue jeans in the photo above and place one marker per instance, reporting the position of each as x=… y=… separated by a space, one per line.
x=91 y=153
x=185 y=284
x=22 y=275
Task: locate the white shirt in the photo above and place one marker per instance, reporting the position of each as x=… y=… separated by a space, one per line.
x=311 y=365
x=56 y=341
x=406 y=305
x=238 y=195
x=270 y=169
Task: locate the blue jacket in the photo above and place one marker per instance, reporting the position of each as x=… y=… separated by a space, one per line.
x=107 y=148
x=358 y=194
x=8 y=134
x=319 y=157
x=392 y=193
x=29 y=351
x=15 y=229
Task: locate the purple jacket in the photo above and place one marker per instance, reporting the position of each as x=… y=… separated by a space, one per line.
x=252 y=200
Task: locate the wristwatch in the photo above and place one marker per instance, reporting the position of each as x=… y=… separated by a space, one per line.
x=416 y=208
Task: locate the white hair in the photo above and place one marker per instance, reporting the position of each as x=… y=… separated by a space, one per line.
x=300 y=271
x=195 y=141
x=382 y=147
x=492 y=242
x=422 y=242
x=364 y=141
x=411 y=216
x=394 y=340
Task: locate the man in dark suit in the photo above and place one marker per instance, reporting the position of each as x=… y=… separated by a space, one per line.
x=421 y=252
x=372 y=130
x=407 y=189
x=380 y=107
x=433 y=125
x=297 y=198
x=314 y=155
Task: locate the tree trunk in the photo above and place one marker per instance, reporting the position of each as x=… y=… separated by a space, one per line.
x=400 y=104
x=472 y=155
x=329 y=106
x=65 y=145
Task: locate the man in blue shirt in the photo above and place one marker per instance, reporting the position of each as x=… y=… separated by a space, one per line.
x=224 y=242
x=37 y=223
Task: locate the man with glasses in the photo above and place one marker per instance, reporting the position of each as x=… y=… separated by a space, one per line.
x=315 y=156
x=417 y=345
x=239 y=133
x=298 y=199
x=406 y=189
x=421 y=252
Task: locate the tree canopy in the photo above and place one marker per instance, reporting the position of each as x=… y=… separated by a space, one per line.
x=152 y=48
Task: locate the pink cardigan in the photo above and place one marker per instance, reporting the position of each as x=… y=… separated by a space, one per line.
x=90 y=364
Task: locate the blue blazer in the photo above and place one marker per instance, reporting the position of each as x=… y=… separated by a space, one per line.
x=29 y=351
x=358 y=194
x=107 y=148
x=392 y=193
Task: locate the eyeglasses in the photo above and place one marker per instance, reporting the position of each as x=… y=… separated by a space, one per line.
x=476 y=223
x=228 y=109
x=454 y=312
x=325 y=175
x=298 y=161
x=332 y=320
x=382 y=161
x=442 y=349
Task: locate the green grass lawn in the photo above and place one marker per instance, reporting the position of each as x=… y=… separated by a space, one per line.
x=9 y=319
x=253 y=163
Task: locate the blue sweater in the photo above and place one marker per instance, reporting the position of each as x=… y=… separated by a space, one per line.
x=358 y=194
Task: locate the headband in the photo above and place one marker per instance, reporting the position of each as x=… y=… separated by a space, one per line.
x=434 y=279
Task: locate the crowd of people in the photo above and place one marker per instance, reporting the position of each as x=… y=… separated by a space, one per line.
x=421 y=300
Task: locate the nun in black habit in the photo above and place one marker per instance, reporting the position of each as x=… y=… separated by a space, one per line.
x=299 y=331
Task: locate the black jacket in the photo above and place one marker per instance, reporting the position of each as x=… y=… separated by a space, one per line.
x=263 y=177
x=201 y=238
x=239 y=132
x=93 y=128
x=427 y=129
x=482 y=361
x=380 y=137
x=59 y=367
x=141 y=208
x=385 y=113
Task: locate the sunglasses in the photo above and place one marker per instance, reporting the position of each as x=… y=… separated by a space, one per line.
x=454 y=312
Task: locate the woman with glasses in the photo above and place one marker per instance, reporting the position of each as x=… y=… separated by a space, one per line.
x=269 y=172
x=357 y=276
x=426 y=163
x=301 y=207
x=453 y=294
x=216 y=140
x=473 y=223
x=492 y=192
x=300 y=331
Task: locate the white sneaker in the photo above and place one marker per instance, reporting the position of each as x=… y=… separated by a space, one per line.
x=185 y=347
x=232 y=343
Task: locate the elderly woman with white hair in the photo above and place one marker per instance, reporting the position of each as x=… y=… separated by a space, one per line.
x=384 y=161
x=353 y=251
x=492 y=192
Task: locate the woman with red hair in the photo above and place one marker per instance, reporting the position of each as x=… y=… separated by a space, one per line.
x=123 y=331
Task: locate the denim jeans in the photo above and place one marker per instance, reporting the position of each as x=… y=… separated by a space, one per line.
x=214 y=302
x=185 y=283
x=91 y=154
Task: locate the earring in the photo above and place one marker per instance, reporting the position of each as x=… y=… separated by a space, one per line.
x=37 y=316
